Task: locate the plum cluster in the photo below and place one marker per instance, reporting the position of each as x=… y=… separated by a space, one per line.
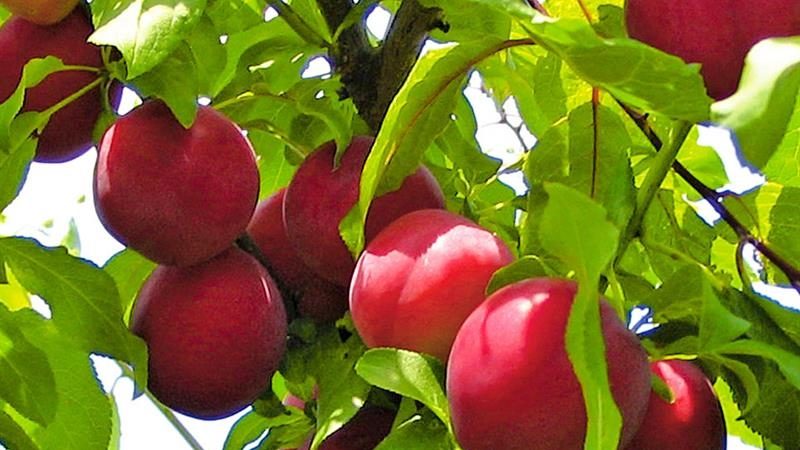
x=212 y=316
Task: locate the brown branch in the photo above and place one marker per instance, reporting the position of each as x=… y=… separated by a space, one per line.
x=537 y=5
x=373 y=76
x=407 y=35
x=715 y=199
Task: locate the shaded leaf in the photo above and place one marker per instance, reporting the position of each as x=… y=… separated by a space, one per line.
x=409 y=374
x=145 y=31
x=759 y=112
x=588 y=251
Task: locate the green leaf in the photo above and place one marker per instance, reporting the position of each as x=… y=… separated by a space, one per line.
x=418 y=113
x=611 y=22
x=788 y=363
x=12 y=294
x=267 y=52
x=632 y=72
x=784 y=166
x=759 y=112
x=273 y=166
x=592 y=158
x=745 y=377
x=12 y=435
x=84 y=300
x=286 y=428
x=208 y=53
x=466 y=22
x=174 y=80
x=770 y=322
x=33 y=73
x=310 y=11
x=776 y=417
x=717 y=324
x=229 y=17
x=703 y=162
x=26 y=380
x=328 y=362
x=521 y=269
x=773 y=210
x=537 y=84
x=673 y=233
x=588 y=250
x=420 y=432
x=14 y=166
x=145 y=31
x=734 y=424
x=129 y=270
x=83 y=419
x=409 y=374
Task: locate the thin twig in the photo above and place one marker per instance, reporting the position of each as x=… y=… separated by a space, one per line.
x=537 y=5
x=299 y=25
x=715 y=199
x=168 y=414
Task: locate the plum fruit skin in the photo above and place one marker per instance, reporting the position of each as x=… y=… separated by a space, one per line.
x=420 y=278
x=215 y=333
x=717 y=34
x=319 y=197
x=317 y=299
x=177 y=196
x=40 y=12
x=68 y=134
x=693 y=421
x=510 y=383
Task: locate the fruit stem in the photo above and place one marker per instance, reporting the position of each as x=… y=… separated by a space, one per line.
x=659 y=168
x=82 y=69
x=74 y=96
x=168 y=414
x=299 y=25
x=179 y=427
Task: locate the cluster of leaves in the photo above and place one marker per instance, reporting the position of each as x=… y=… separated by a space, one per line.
x=600 y=205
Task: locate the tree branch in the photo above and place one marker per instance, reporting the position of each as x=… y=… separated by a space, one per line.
x=373 y=76
x=715 y=199
x=407 y=35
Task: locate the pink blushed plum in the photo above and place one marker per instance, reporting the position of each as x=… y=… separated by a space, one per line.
x=319 y=196
x=420 y=278
x=511 y=385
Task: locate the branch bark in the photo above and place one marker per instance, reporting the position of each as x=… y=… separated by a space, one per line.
x=372 y=76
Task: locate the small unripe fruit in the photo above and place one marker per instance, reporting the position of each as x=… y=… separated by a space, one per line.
x=319 y=197
x=177 y=196
x=420 y=278
x=68 y=134
x=693 y=421
x=215 y=333
x=511 y=385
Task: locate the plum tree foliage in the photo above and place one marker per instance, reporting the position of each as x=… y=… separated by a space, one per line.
x=248 y=305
